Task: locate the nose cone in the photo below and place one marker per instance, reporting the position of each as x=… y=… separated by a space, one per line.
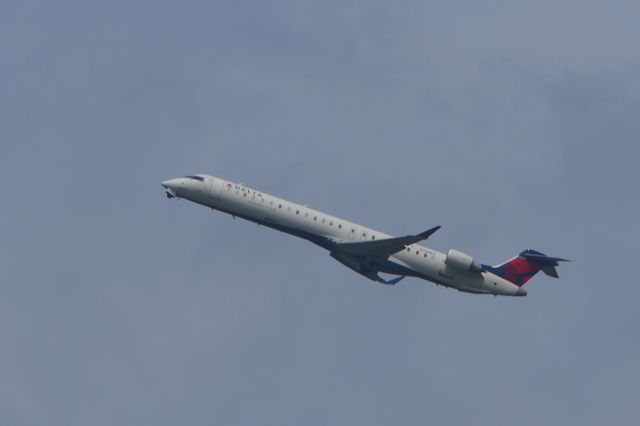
x=170 y=183
x=170 y=187
x=521 y=292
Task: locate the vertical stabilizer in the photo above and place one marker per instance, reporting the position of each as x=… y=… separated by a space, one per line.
x=523 y=267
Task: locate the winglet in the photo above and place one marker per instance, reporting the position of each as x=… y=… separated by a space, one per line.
x=412 y=239
x=426 y=234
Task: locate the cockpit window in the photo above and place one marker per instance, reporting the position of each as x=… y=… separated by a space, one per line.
x=200 y=178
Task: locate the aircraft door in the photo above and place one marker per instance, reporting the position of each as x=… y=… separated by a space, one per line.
x=215 y=189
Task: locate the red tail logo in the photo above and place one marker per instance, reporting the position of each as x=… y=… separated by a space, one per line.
x=522 y=268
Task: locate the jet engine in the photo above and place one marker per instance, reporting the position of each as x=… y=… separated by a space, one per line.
x=462 y=262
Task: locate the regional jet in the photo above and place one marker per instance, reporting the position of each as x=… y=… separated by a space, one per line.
x=366 y=251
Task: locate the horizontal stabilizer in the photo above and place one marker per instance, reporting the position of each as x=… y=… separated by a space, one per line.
x=542 y=259
x=550 y=270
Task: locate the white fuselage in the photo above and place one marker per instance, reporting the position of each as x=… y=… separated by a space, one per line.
x=324 y=229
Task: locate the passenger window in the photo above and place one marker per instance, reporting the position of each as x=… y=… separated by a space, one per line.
x=279 y=206
x=331 y=223
x=373 y=237
x=297 y=211
x=315 y=218
x=340 y=226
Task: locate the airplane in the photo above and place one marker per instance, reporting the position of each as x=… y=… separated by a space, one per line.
x=364 y=250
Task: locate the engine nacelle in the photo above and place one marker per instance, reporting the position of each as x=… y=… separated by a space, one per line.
x=461 y=261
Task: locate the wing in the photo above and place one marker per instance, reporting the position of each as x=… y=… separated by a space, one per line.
x=380 y=250
x=366 y=257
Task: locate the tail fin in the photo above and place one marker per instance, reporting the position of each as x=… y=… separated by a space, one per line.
x=523 y=267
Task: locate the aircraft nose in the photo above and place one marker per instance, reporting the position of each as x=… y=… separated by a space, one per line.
x=170 y=187
x=170 y=183
x=521 y=292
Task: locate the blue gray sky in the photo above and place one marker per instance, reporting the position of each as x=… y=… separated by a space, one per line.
x=511 y=124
